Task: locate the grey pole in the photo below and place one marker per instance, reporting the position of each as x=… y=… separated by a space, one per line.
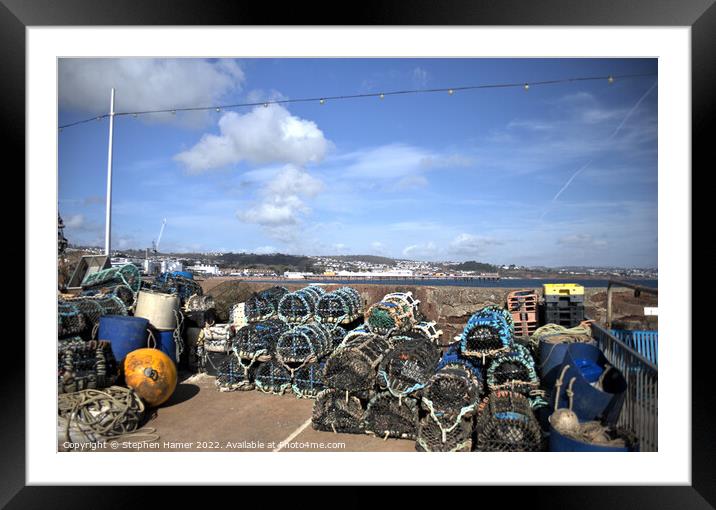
x=108 y=217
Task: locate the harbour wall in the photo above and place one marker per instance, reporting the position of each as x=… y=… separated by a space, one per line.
x=450 y=307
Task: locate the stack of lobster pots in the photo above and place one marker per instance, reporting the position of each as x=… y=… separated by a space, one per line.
x=522 y=304
x=279 y=340
x=484 y=393
x=376 y=376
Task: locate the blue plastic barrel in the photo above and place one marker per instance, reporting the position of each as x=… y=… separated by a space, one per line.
x=166 y=343
x=124 y=333
x=561 y=443
x=550 y=358
x=591 y=403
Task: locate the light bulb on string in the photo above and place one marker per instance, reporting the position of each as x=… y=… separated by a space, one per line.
x=265 y=105
x=451 y=92
x=527 y=86
x=322 y=101
x=610 y=79
x=382 y=96
x=218 y=109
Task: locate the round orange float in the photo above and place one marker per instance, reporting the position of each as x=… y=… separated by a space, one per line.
x=152 y=374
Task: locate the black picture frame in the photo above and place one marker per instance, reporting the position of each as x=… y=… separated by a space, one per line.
x=700 y=15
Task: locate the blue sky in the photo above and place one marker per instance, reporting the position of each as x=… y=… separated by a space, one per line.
x=556 y=175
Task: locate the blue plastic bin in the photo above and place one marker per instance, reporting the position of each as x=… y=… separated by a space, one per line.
x=124 y=333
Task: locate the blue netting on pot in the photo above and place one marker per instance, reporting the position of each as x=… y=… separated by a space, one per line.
x=308 y=380
x=388 y=416
x=272 y=377
x=300 y=306
x=506 y=423
x=258 y=309
x=431 y=437
x=454 y=356
x=84 y=365
x=258 y=340
x=354 y=364
x=451 y=396
x=337 y=335
x=408 y=366
x=338 y=411
x=514 y=370
x=341 y=306
x=233 y=375
x=304 y=343
x=127 y=274
x=171 y=283
x=487 y=333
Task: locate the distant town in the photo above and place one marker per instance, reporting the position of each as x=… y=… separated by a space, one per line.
x=278 y=265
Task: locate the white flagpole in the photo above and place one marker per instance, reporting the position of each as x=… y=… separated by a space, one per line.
x=108 y=218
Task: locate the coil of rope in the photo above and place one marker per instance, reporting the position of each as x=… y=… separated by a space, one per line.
x=95 y=416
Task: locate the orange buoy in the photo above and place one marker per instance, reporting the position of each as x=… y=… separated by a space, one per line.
x=152 y=374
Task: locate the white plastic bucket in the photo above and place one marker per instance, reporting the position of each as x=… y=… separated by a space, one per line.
x=159 y=309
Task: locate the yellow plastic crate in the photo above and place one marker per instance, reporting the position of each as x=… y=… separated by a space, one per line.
x=563 y=289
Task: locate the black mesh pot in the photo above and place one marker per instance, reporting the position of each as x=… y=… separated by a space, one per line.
x=408 y=366
x=506 y=423
x=232 y=375
x=84 y=365
x=431 y=438
x=257 y=340
x=388 y=416
x=338 y=411
x=272 y=377
x=308 y=380
x=353 y=366
x=451 y=395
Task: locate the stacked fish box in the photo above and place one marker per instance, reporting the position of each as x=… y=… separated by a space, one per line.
x=522 y=304
x=563 y=304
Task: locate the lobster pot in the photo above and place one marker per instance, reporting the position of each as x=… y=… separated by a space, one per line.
x=609 y=442
x=273 y=377
x=432 y=438
x=258 y=340
x=338 y=411
x=127 y=274
x=308 y=380
x=125 y=334
x=486 y=333
x=173 y=283
x=451 y=395
x=191 y=340
x=388 y=416
x=304 y=344
x=315 y=290
x=599 y=389
x=360 y=331
x=258 y=309
x=199 y=303
x=342 y=306
x=386 y=317
x=161 y=310
x=408 y=366
x=80 y=315
x=552 y=349
x=237 y=315
x=428 y=330
x=354 y=365
x=337 y=335
x=454 y=356
x=232 y=375
x=512 y=370
x=200 y=318
x=298 y=307
x=506 y=423
x=122 y=292
x=213 y=360
x=84 y=365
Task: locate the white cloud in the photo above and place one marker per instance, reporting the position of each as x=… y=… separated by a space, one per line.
x=583 y=241
x=412 y=182
x=75 y=221
x=280 y=204
x=428 y=249
x=264 y=135
x=469 y=244
x=145 y=83
x=420 y=77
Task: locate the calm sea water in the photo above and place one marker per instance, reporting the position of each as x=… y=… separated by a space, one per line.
x=518 y=283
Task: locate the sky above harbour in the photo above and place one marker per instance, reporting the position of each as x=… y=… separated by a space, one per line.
x=562 y=174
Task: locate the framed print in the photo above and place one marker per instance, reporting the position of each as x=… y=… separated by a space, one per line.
x=436 y=230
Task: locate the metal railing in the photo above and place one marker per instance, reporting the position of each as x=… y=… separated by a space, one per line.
x=640 y=412
x=645 y=342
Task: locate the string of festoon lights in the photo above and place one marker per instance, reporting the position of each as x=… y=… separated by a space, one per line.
x=322 y=100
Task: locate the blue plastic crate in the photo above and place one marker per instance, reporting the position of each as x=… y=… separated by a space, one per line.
x=645 y=342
